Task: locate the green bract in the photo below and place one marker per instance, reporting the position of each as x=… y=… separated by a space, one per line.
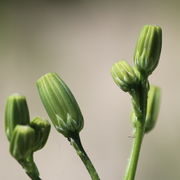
x=21 y=145
x=60 y=104
x=153 y=106
x=42 y=129
x=16 y=112
x=148 y=49
x=125 y=76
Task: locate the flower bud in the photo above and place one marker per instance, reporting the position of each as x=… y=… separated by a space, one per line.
x=22 y=142
x=16 y=112
x=42 y=129
x=153 y=105
x=148 y=49
x=60 y=104
x=125 y=76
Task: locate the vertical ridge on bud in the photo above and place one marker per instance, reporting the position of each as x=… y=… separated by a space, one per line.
x=60 y=104
x=16 y=112
x=22 y=142
x=148 y=49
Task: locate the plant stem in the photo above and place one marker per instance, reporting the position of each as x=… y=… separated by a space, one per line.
x=76 y=143
x=30 y=168
x=133 y=161
x=33 y=176
x=139 y=100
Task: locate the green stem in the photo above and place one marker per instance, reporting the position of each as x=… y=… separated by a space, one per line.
x=133 y=161
x=76 y=143
x=139 y=100
x=33 y=176
x=30 y=168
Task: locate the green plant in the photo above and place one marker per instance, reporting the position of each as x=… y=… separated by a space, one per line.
x=65 y=114
x=145 y=97
x=27 y=136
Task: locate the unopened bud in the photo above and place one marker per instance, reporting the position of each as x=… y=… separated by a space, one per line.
x=60 y=104
x=16 y=112
x=42 y=129
x=148 y=49
x=153 y=105
x=22 y=142
x=125 y=76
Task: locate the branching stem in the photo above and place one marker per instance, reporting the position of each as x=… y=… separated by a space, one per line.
x=139 y=99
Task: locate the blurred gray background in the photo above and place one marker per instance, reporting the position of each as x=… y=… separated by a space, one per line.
x=80 y=40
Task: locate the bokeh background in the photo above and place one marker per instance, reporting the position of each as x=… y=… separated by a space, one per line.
x=80 y=40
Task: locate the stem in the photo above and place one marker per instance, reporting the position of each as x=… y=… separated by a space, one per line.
x=33 y=176
x=30 y=168
x=76 y=143
x=139 y=100
x=133 y=161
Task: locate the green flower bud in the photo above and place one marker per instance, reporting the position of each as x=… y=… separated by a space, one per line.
x=125 y=76
x=148 y=49
x=153 y=106
x=60 y=104
x=42 y=129
x=22 y=142
x=16 y=112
